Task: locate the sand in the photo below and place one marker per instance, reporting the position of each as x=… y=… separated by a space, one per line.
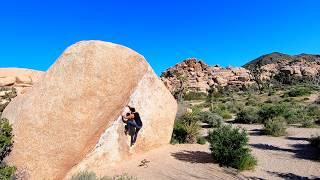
x=288 y=157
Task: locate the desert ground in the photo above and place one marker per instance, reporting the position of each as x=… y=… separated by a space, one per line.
x=289 y=157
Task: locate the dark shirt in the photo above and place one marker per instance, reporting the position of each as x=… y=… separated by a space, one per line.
x=137 y=119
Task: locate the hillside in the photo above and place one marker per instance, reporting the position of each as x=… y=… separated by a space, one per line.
x=277 y=57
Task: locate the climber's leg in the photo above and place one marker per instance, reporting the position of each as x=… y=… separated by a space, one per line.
x=136 y=134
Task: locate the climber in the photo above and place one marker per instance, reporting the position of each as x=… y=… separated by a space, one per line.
x=138 y=123
x=134 y=124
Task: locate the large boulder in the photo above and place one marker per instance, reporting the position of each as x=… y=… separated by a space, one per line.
x=70 y=120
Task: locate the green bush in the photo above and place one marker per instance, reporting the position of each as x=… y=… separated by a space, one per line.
x=212 y=119
x=186 y=129
x=247 y=162
x=269 y=111
x=179 y=133
x=119 y=177
x=84 y=175
x=225 y=114
x=201 y=140
x=229 y=147
x=275 y=126
x=248 y=115
x=7 y=172
x=195 y=96
x=298 y=91
x=6 y=141
x=192 y=131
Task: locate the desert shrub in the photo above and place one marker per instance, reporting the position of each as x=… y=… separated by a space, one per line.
x=252 y=100
x=191 y=116
x=84 y=175
x=229 y=147
x=313 y=111
x=269 y=111
x=298 y=91
x=195 y=96
x=271 y=92
x=192 y=132
x=222 y=110
x=248 y=115
x=7 y=172
x=201 y=140
x=225 y=114
x=6 y=142
x=246 y=162
x=119 y=177
x=234 y=106
x=179 y=133
x=5 y=138
x=275 y=126
x=308 y=122
x=211 y=118
x=186 y=129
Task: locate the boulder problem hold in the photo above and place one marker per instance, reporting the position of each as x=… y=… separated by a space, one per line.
x=70 y=120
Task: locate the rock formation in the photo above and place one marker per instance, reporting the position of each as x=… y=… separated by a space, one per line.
x=194 y=75
x=198 y=76
x=19 y=78
x=71 y=119
x=298 y=66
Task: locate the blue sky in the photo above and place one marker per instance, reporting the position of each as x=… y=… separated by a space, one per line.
x=226 y=32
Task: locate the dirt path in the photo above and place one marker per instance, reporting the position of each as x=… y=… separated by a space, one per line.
x=180 y=162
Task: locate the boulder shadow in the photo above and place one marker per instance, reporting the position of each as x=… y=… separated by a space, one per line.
x=292 y=176
x=193 y=156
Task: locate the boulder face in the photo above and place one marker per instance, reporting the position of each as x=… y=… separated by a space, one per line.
x=197 y=76
x=19 y=78
x=71 y=119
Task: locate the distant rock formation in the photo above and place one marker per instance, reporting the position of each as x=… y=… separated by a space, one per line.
x=196 y=76
x=298 y=66
x=19 y=78
x=199 y=77
x=6 y=95
x=70 y=120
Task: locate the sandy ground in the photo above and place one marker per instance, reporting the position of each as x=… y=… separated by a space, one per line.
x=182 y=161
x=287 y=157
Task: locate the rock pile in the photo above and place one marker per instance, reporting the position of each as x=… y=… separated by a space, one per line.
x=19 y=78
x=299 y=69
x=197 y=76
x=298 y=66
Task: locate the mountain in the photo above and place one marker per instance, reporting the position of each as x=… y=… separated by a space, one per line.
x=280 y=58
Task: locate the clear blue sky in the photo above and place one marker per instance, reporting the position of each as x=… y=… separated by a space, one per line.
x=34 y=33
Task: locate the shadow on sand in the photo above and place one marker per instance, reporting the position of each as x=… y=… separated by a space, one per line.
x=255 y=132
x=292 y=176
x=193 y=156
x=303 y=151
